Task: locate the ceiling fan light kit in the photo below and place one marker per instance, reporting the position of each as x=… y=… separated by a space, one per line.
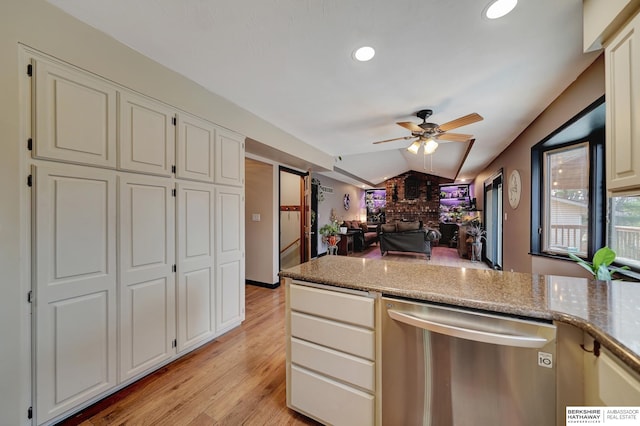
x=427 y=134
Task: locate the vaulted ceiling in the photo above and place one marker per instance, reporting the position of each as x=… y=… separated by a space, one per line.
x=290 y=63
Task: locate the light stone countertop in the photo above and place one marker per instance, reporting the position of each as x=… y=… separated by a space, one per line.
x=609 y=312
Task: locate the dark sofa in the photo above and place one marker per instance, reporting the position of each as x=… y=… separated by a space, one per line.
x=363 y=237
x=406 y=237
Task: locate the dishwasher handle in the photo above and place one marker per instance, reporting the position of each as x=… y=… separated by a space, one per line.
x=477 y=335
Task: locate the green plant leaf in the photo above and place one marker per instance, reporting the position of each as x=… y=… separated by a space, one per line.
x=605 y=256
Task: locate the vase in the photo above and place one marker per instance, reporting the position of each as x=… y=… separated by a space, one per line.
x=476 y=251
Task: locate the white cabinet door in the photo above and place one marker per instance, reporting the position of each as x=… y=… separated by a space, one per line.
x=622 y=58
x=75 y=286
x=229 y=257
x=76 y=116
x=147 y=135
x=195 y=295
x=229 y=158
x=196 y=148
x=147 y=282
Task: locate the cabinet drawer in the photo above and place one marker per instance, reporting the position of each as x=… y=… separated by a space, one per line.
x=329 y=401
x=343 y=337
x=338 y=365
x=358 y=310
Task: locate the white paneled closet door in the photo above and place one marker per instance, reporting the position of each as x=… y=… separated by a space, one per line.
x=229 y=257
x=76 y=116
x=75 y=286
x=195 y=270
x=147 y=135
x=196 y=143
x=147 y=281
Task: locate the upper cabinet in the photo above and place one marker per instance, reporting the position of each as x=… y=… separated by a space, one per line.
x=622 y=62
x=147 y=135
x=76 y=116
x=195 y=148
x=229 y=158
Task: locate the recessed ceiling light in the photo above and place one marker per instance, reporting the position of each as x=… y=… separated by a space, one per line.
x=364 y=53
x=498 y=8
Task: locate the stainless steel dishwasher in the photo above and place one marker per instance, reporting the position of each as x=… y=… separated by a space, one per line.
x=448 y=366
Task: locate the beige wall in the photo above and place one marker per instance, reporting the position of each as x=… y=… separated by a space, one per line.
x=41 y=26
x=259 y=199
x=587 y=88
x=357 y=209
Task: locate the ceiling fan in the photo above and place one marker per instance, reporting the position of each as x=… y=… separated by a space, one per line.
x=428 y=133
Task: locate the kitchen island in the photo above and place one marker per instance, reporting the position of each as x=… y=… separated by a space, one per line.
x=341 y=353
x=609 y=312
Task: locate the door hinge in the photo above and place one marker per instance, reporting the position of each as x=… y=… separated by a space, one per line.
x=174 y=344
x=30 y=180
x=173 y=268
x=173 y=169
x=30 y=413
x=30 y=296
x=174 y=192
x=29 y=73
x=174 y=121
x=540 y=231
x=30 y=144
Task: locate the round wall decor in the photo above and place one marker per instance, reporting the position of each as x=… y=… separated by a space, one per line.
x=515 y=188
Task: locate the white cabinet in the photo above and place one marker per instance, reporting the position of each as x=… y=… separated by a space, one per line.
x=75 y=286
x=608 y=382
x=195 y=148
x=622 y=61
x=195 y=264
x=229 y=158
x=75 y=116
x=331 y=354
x=229 y=257
x=146 y=278
x=147 y=135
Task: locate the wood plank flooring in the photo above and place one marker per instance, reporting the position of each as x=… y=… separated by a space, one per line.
x=238 y=379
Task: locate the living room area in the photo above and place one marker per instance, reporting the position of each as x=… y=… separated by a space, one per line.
x=414 y=217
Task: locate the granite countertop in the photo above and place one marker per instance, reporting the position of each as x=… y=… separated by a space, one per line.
x=610 y=312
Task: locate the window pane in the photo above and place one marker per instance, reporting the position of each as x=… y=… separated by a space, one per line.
x=624 y=229
x=566 y=200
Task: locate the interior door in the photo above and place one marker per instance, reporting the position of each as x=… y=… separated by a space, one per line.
x=295 y=217
x=75 y=286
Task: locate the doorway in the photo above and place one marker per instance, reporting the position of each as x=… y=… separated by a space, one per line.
x=295 y=195
x=493 y=220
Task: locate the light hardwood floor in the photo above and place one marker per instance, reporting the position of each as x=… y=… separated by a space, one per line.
x=238 y=379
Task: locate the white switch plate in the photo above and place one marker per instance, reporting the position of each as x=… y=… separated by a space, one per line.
x=255 y=217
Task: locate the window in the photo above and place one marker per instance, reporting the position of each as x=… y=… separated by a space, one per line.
x=566 y=199
x=568 y=187
x=624 y=229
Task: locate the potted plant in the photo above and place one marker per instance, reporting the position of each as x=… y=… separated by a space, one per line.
x=599 y=266
x=477 y=234
x=330 y=231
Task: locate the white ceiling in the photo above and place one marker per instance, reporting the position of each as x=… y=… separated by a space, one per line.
x=289 y=62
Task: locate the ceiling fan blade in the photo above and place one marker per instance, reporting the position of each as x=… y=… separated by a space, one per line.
x=459 y=122
x=454 y=137
x=411 y=126
x=394 y=139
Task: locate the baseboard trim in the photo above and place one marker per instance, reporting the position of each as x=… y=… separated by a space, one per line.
x=261 y=284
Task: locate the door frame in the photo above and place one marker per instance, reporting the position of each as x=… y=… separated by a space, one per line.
x=305 y=213
x=494 y=183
